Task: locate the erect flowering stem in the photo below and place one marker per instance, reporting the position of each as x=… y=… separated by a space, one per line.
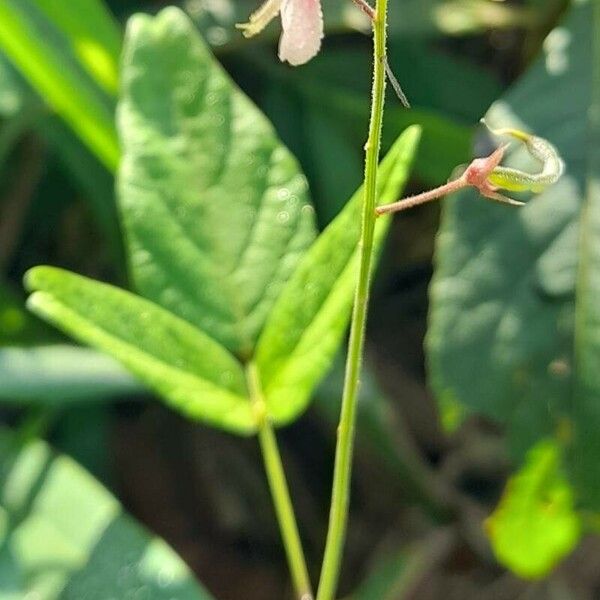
x=279 y=489
x=338 y=516
x=369 y=11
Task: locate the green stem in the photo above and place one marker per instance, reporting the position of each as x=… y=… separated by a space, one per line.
x=279 y=489
x=338 y=516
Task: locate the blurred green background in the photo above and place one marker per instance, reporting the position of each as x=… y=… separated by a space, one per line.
x=421 y=492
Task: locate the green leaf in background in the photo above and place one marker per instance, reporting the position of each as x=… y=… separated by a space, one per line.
x=12 y=98
x=17 y=326
x=535 y=524
x=425 y=70
x=464 y=17
x=334 y=87
x=380 y=583
x=215 y=208
x=24 y=110
x=63 y=536
x=57 y=374
x=193 y=373
x=95 y=181
x=382 y=434
x=18 y=109
x=399 y=574
x=336 y=161
x=429 y=18
x=514 y=319
x=321 y=113
x=37 y=48
x=412 y=19
x=308 y=322
x=93 y=33
x=445 y=143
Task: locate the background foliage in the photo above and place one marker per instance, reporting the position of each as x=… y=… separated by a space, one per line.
x=512 y=343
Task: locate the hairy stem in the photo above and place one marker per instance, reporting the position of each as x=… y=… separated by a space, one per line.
x=279 y=490
x=443 y=190
x=338 y=516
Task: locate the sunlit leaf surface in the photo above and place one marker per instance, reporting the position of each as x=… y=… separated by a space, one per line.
x=64 y=536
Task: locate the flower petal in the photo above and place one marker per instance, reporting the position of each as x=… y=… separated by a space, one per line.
x=260 y=18
x=302 y=23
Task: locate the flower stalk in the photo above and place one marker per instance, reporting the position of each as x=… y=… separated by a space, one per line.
x=340 y=497
x=487 y=176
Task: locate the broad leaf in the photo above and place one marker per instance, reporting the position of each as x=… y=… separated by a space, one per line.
x=215 y=209
x=535 y=524
x=56 y=374
x=193 y=373
x=308 y=322
x=63 y=536
x=40 y=52
x=515 y=314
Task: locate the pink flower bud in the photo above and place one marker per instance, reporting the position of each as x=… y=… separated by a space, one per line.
x=302 y=24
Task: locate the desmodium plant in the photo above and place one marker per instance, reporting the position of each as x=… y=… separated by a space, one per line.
x=240 y=307
x=240 y=310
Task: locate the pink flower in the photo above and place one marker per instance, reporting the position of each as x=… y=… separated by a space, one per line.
x=302 y=24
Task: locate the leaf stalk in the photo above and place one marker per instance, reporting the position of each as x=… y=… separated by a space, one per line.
x=279 y=488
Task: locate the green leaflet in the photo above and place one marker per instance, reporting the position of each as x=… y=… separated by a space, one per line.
x=190 y=371
x=216 y=220
x=535 y=524
x=215 y=208
x=194 y=373
x=310 y=317
x=514 y=328
x=63 y=536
